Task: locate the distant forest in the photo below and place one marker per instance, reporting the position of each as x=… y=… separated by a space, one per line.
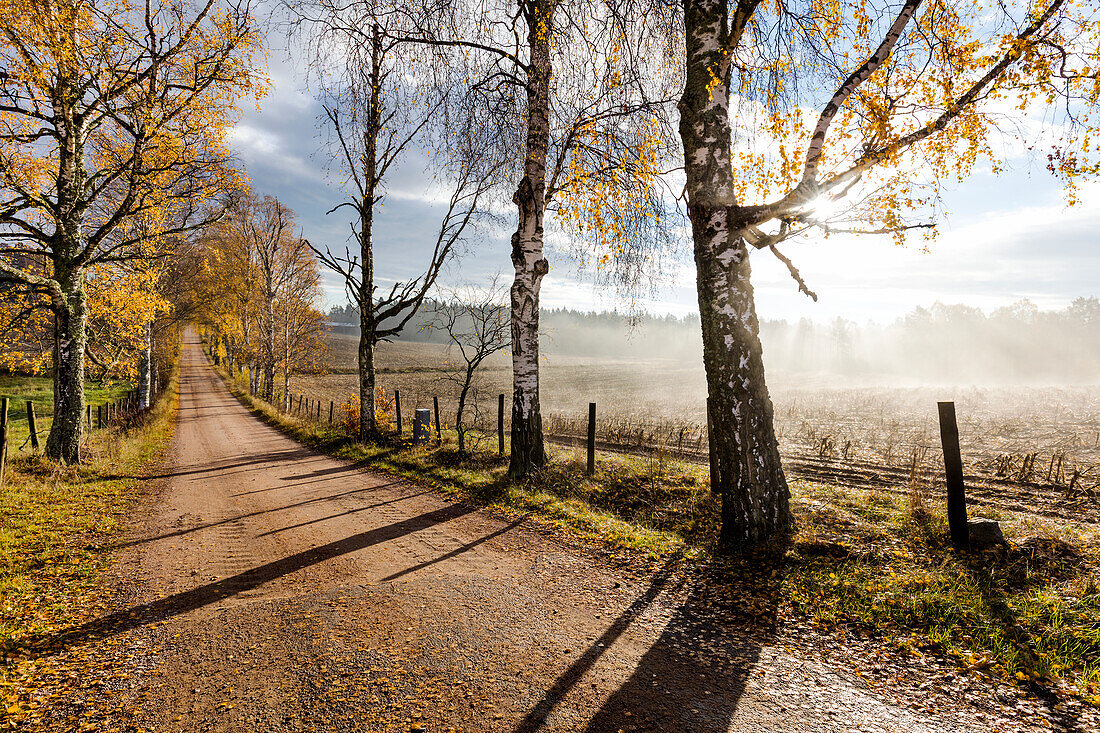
x=944 y=343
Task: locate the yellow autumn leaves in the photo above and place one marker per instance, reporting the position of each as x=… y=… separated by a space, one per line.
x=113 y=142
x=1041 y=86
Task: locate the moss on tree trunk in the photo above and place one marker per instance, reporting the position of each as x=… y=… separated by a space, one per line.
x=70 y=338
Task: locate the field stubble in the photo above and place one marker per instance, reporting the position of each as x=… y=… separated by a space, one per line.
x=1024 y=448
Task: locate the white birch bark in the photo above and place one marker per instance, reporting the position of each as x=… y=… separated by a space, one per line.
x=528 y=450
x=145 y=369
x=745 y=456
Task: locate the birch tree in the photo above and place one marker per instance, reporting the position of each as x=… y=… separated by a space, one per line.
x=255 y=284
x=112 y=120
x=848 y=117
x=122 y=299
x=302 y=328
x=265 y=227
x=375 y=111
x=573 y=93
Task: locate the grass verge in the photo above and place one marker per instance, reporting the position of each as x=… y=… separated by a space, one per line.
x=55 y=526
x=875 y=563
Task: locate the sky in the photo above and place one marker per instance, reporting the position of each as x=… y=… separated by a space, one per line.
x=1004 y=237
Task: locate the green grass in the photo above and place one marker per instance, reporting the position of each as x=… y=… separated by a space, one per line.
x=56 y=523
x=867 y=562
x=1031 y=612
x=39 y=390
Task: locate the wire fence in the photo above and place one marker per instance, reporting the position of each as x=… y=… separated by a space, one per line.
x=808 y=453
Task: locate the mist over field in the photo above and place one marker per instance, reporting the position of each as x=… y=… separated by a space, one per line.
x=1026 y=383
x=939 y=345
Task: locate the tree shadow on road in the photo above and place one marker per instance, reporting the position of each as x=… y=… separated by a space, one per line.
x=260 y=512
x=693 y=676
x=180 y=603
x=324 y=472
x=227 y=465
x=457 y=551
x=349 y=512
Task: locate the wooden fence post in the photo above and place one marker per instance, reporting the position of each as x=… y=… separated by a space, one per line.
x=33 y=425
x=89 y=411
x=953 y=470
x=397 y=409
x=99 y=416
x=331 y=410
x=591 y=438
x=318 y=410
x=438 y=428
x=500 y=424
x=3 y=438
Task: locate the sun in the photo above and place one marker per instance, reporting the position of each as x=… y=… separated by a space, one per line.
x=823 y=208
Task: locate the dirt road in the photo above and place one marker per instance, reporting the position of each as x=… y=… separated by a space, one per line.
x=275 y=589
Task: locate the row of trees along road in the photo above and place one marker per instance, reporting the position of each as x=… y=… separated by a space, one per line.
x=792 y=117
x=113 y=121
x=255 y=281
x=620 y=125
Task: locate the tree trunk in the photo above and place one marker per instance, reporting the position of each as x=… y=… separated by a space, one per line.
x=286 y=364
x=70 y=319
x=153 y=373
x=269 y=361
x=368 y=420
x=755 y=499
x=145 y=370
x=744 y=450
x=528 y=450
x=368 y=339
x=459 y=428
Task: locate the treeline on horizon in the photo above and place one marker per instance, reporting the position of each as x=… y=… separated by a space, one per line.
x=942 y=343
